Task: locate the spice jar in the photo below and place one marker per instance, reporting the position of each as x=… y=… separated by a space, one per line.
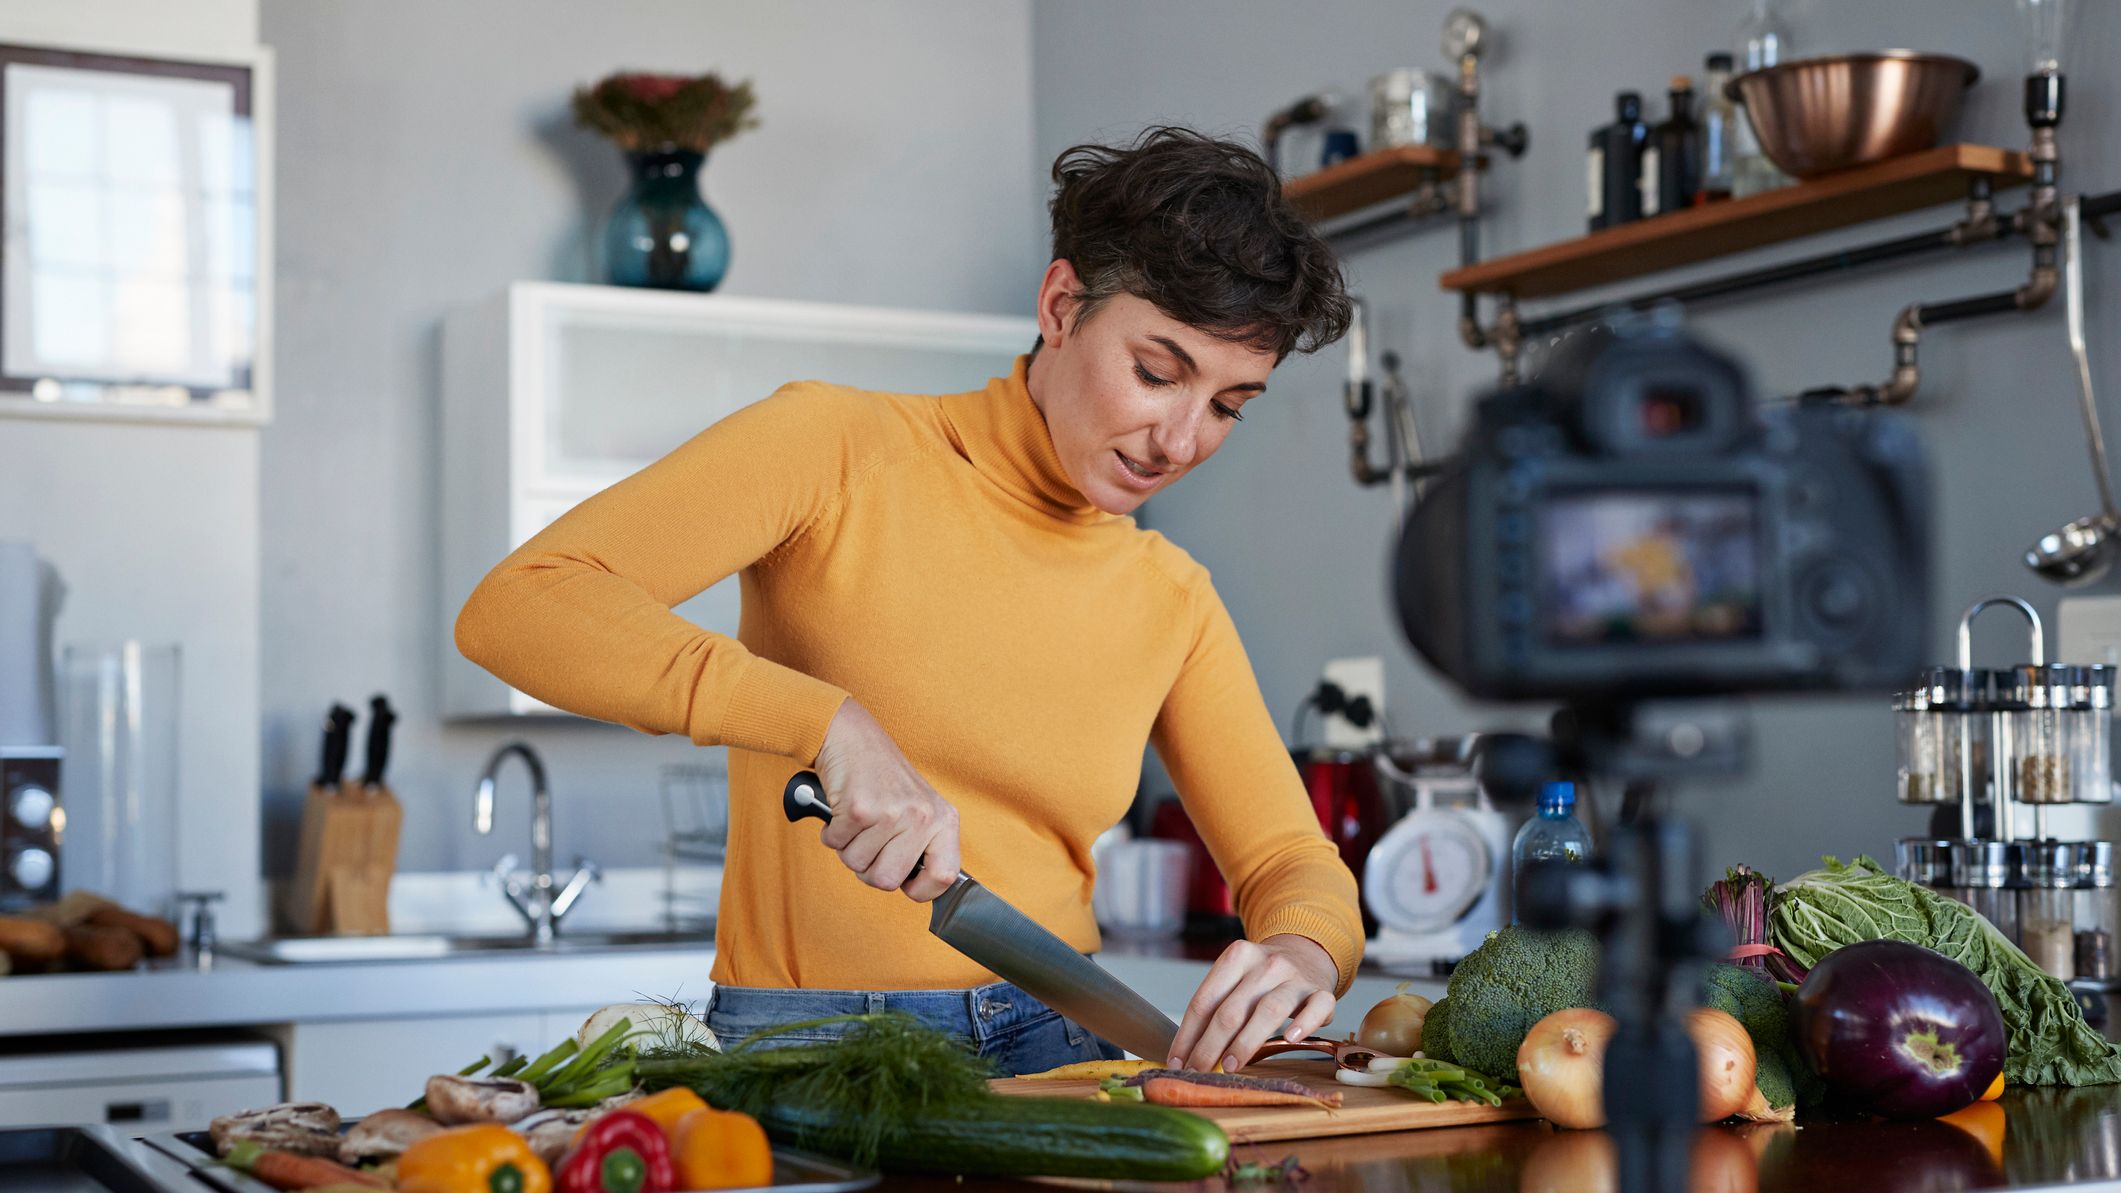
x=1987 y=871
x=2041 y=724
x=1927 y=861
x=2047 y=908
x=2097 y=912
x=2092 y=733
x=1943 y=731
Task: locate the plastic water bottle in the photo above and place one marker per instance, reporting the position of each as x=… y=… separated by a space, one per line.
x=1555 y=835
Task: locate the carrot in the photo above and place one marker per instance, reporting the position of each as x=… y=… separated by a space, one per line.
x=287 y=1170
x=1176 y=1091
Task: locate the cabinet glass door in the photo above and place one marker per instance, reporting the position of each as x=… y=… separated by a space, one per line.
x=621 y=393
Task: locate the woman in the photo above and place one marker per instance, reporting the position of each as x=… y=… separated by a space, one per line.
x=948 y=615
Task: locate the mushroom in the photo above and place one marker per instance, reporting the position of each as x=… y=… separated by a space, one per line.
x=455 y=1100
x=306 y=1128
x=550 y=1131
x=385 y=1135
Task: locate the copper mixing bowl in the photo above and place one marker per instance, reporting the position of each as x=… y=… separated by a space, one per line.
x=1817 y=115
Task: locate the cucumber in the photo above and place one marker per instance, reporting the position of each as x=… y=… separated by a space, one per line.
x=1005 y=1136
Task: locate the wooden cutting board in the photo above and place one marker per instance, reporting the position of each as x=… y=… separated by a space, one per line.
x=1362 y=1110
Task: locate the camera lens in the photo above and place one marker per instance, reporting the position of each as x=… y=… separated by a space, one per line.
x=1670 y=410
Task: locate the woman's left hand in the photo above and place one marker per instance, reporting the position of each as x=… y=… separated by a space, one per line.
x=1252 y=990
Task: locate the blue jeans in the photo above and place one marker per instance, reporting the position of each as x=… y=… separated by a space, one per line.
x=1006 y=1026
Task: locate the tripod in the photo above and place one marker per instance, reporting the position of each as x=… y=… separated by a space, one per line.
x=1643 y=901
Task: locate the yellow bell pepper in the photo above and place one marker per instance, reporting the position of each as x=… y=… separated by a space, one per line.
x=721 y=1149
x=667 y=1108
x=483 y=1158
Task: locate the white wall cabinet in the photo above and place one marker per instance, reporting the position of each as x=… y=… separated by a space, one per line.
x=553 y=391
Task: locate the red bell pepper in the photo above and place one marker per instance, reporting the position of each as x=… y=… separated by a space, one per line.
x=619 y=1152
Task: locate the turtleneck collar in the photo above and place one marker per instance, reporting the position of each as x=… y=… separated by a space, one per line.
x=1004 y=435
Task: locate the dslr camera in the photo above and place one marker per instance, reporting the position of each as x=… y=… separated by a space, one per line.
x=1631 y=525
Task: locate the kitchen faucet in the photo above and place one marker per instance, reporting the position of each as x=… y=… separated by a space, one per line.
x=533 y=899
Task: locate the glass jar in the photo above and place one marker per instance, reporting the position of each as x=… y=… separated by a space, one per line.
x=2092 y=733
x=2047 y=908
x=1924 y=861
x=1943 y=735
x=1987 y=872
x=2042 y=741
x=118 y=710
x=2098 y=913
x=1412 y=107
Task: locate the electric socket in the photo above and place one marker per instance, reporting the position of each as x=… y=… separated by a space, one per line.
x=1357 y=677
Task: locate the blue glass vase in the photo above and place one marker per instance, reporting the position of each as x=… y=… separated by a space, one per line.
x=662 y=234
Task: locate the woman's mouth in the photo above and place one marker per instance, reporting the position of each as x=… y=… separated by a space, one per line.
x=1135 y=474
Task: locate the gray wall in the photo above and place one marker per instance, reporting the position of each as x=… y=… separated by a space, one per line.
x=1297 y=549
x=426 y=160
x=154 y=528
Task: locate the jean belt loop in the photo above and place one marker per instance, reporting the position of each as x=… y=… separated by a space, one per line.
x=876 y=1001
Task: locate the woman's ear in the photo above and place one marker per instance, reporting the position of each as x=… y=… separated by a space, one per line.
x=1057 y=296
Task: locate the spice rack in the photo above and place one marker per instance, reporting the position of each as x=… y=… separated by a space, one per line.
x=2017 y=741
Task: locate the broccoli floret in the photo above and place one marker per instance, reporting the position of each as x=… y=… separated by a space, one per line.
x=1436 y=1032
x=1513 y=980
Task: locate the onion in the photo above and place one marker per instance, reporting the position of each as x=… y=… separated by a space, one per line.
x=1561 y=1066
x=1357 y=1077
x=1725 y=1056
x=1393 y=1026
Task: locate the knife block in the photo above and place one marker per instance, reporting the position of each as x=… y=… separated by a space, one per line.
x=344 y=861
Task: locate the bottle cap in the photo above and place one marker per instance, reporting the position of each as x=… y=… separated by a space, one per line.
x=1682 y=83
x=1719 y=61
x=1628 y=104
x=1561 y=795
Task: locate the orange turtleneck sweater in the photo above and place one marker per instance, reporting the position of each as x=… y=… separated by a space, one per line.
x=930 y=557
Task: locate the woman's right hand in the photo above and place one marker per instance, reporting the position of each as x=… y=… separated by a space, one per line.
x=885 y=817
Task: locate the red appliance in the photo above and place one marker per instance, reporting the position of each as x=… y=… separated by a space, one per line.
x=1349 y=804
x=1209 y=909
x=1350 y=807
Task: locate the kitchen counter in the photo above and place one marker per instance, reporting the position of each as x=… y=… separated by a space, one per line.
x=2051 y=1138
x=235 y=992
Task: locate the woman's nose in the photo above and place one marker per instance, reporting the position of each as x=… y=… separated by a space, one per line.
x=1176 y=440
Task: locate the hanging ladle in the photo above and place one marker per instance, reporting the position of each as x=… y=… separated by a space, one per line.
x=2082 y=551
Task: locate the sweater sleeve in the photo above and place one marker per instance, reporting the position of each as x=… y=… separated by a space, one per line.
x=1241 y=789
x=580 y=616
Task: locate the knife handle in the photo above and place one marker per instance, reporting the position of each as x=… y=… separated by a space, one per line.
x=804 y=799
x=338 y=727
x=380 y=719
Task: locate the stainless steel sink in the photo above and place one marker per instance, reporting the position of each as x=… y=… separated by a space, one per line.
x=339 y=950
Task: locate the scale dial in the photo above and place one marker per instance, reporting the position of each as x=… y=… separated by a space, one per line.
x=1463 y=33
x=1427 y=871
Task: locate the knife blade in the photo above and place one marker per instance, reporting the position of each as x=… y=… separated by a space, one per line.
x=380 y=719
x=983 y=926
x=338 y=727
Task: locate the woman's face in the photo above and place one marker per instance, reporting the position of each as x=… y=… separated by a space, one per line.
x=1134 y=399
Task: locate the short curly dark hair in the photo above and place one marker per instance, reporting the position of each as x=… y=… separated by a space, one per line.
x=1200 y=228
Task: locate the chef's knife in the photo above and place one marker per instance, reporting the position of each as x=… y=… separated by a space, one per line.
x=380 y=719
x=978 y=923
x=338 y=729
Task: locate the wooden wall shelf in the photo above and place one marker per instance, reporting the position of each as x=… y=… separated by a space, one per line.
x=1370 y=178
x=1903 y=184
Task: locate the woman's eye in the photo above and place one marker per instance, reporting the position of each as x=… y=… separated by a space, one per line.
x=1229 y=412
x=1147 y=377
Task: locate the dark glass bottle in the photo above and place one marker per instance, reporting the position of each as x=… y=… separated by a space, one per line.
x=1613 y=163
x=1671 y=166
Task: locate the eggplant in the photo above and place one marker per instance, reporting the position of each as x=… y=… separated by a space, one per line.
x=1898 y=1030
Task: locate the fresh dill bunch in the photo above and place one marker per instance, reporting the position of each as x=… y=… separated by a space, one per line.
x=887 y=1071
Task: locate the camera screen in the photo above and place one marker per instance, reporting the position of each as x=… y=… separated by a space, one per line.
x=1630 y=566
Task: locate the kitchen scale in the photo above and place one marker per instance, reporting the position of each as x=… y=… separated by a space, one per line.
x=1438 y=879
